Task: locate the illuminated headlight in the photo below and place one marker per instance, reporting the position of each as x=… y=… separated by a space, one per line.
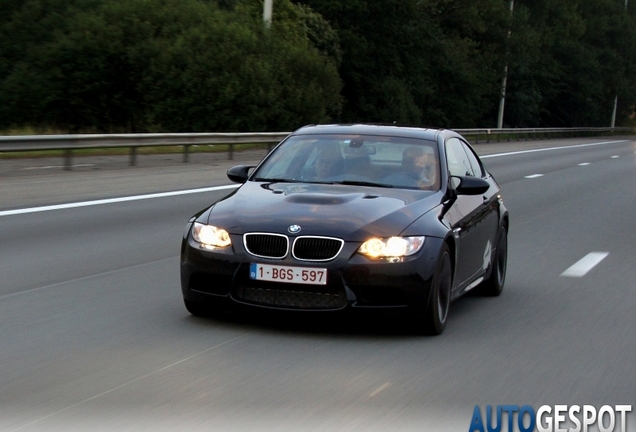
x=211 y=237
x=391 y=247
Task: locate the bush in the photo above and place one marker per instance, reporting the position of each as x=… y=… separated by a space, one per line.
x=170 y=65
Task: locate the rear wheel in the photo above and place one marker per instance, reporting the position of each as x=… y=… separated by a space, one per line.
x=493 y=286
x=432 y=320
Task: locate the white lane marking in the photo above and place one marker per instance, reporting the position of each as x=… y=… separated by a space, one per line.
x=615 y=157
x=382 y=387
x=550 y=149
x=57 y=166
x=585 y=264
x=534 y=176
x=584 y=164
x=112 y=200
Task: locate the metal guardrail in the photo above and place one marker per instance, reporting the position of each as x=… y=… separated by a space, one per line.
x=69 y=143
x=539 y=133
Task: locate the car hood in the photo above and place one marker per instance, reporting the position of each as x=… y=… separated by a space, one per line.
x=352 y=213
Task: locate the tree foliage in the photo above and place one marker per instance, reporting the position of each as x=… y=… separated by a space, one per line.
x=168 y=65
x=570 y=61
x=211 y=65
x=442 y=62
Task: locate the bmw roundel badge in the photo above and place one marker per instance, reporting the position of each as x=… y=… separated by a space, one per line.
x=294 y=229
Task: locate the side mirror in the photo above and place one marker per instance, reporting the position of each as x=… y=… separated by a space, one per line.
x=470 y=185
x=239 y=173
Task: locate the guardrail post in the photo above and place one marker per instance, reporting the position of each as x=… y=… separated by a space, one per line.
x=133 y=156
x=186 y=153
x=68 y=159
x=231 y=151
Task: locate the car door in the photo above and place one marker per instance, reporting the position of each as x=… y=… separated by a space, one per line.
x=473 y=218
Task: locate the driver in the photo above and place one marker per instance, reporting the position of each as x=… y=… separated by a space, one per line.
x=418 y=162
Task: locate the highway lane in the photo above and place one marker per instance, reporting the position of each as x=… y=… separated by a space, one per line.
x=95 y=336
x=50 y=247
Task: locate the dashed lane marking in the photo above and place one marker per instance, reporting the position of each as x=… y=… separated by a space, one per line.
x=381 y=388
x=585 y=264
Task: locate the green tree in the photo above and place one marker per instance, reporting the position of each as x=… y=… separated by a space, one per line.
x=26 y=29
x=580 y=56
x=237 y=75
x=177 y=65
x=427 y=61
x=204 y=65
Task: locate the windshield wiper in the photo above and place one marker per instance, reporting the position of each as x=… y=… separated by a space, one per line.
x=361 y=183
x=276 y=180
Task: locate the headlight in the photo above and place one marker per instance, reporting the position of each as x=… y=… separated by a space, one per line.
x=391 y=247
x=211 y=237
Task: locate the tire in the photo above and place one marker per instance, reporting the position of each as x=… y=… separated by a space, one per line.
x=196 y=308
x=494 y=285
x=432 y=319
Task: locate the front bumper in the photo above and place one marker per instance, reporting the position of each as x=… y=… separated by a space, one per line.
x=352 y=280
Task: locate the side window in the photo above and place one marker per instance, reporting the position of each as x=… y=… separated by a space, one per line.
x=458 y=161
x=474 y=162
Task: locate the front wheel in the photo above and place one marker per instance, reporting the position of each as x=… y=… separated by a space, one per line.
x=196 y=308
x=432 y=320
x=211 y=308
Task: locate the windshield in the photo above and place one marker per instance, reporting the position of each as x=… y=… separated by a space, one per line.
x=363 y=160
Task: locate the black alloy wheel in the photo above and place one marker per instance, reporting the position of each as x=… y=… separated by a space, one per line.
x=493 y=286
x=433 y=319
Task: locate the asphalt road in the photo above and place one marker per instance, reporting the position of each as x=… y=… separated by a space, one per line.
x=94 y=335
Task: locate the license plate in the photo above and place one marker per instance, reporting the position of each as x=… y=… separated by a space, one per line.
x=287 y=274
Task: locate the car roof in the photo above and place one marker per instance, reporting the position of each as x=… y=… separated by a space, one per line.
x=373 y=129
